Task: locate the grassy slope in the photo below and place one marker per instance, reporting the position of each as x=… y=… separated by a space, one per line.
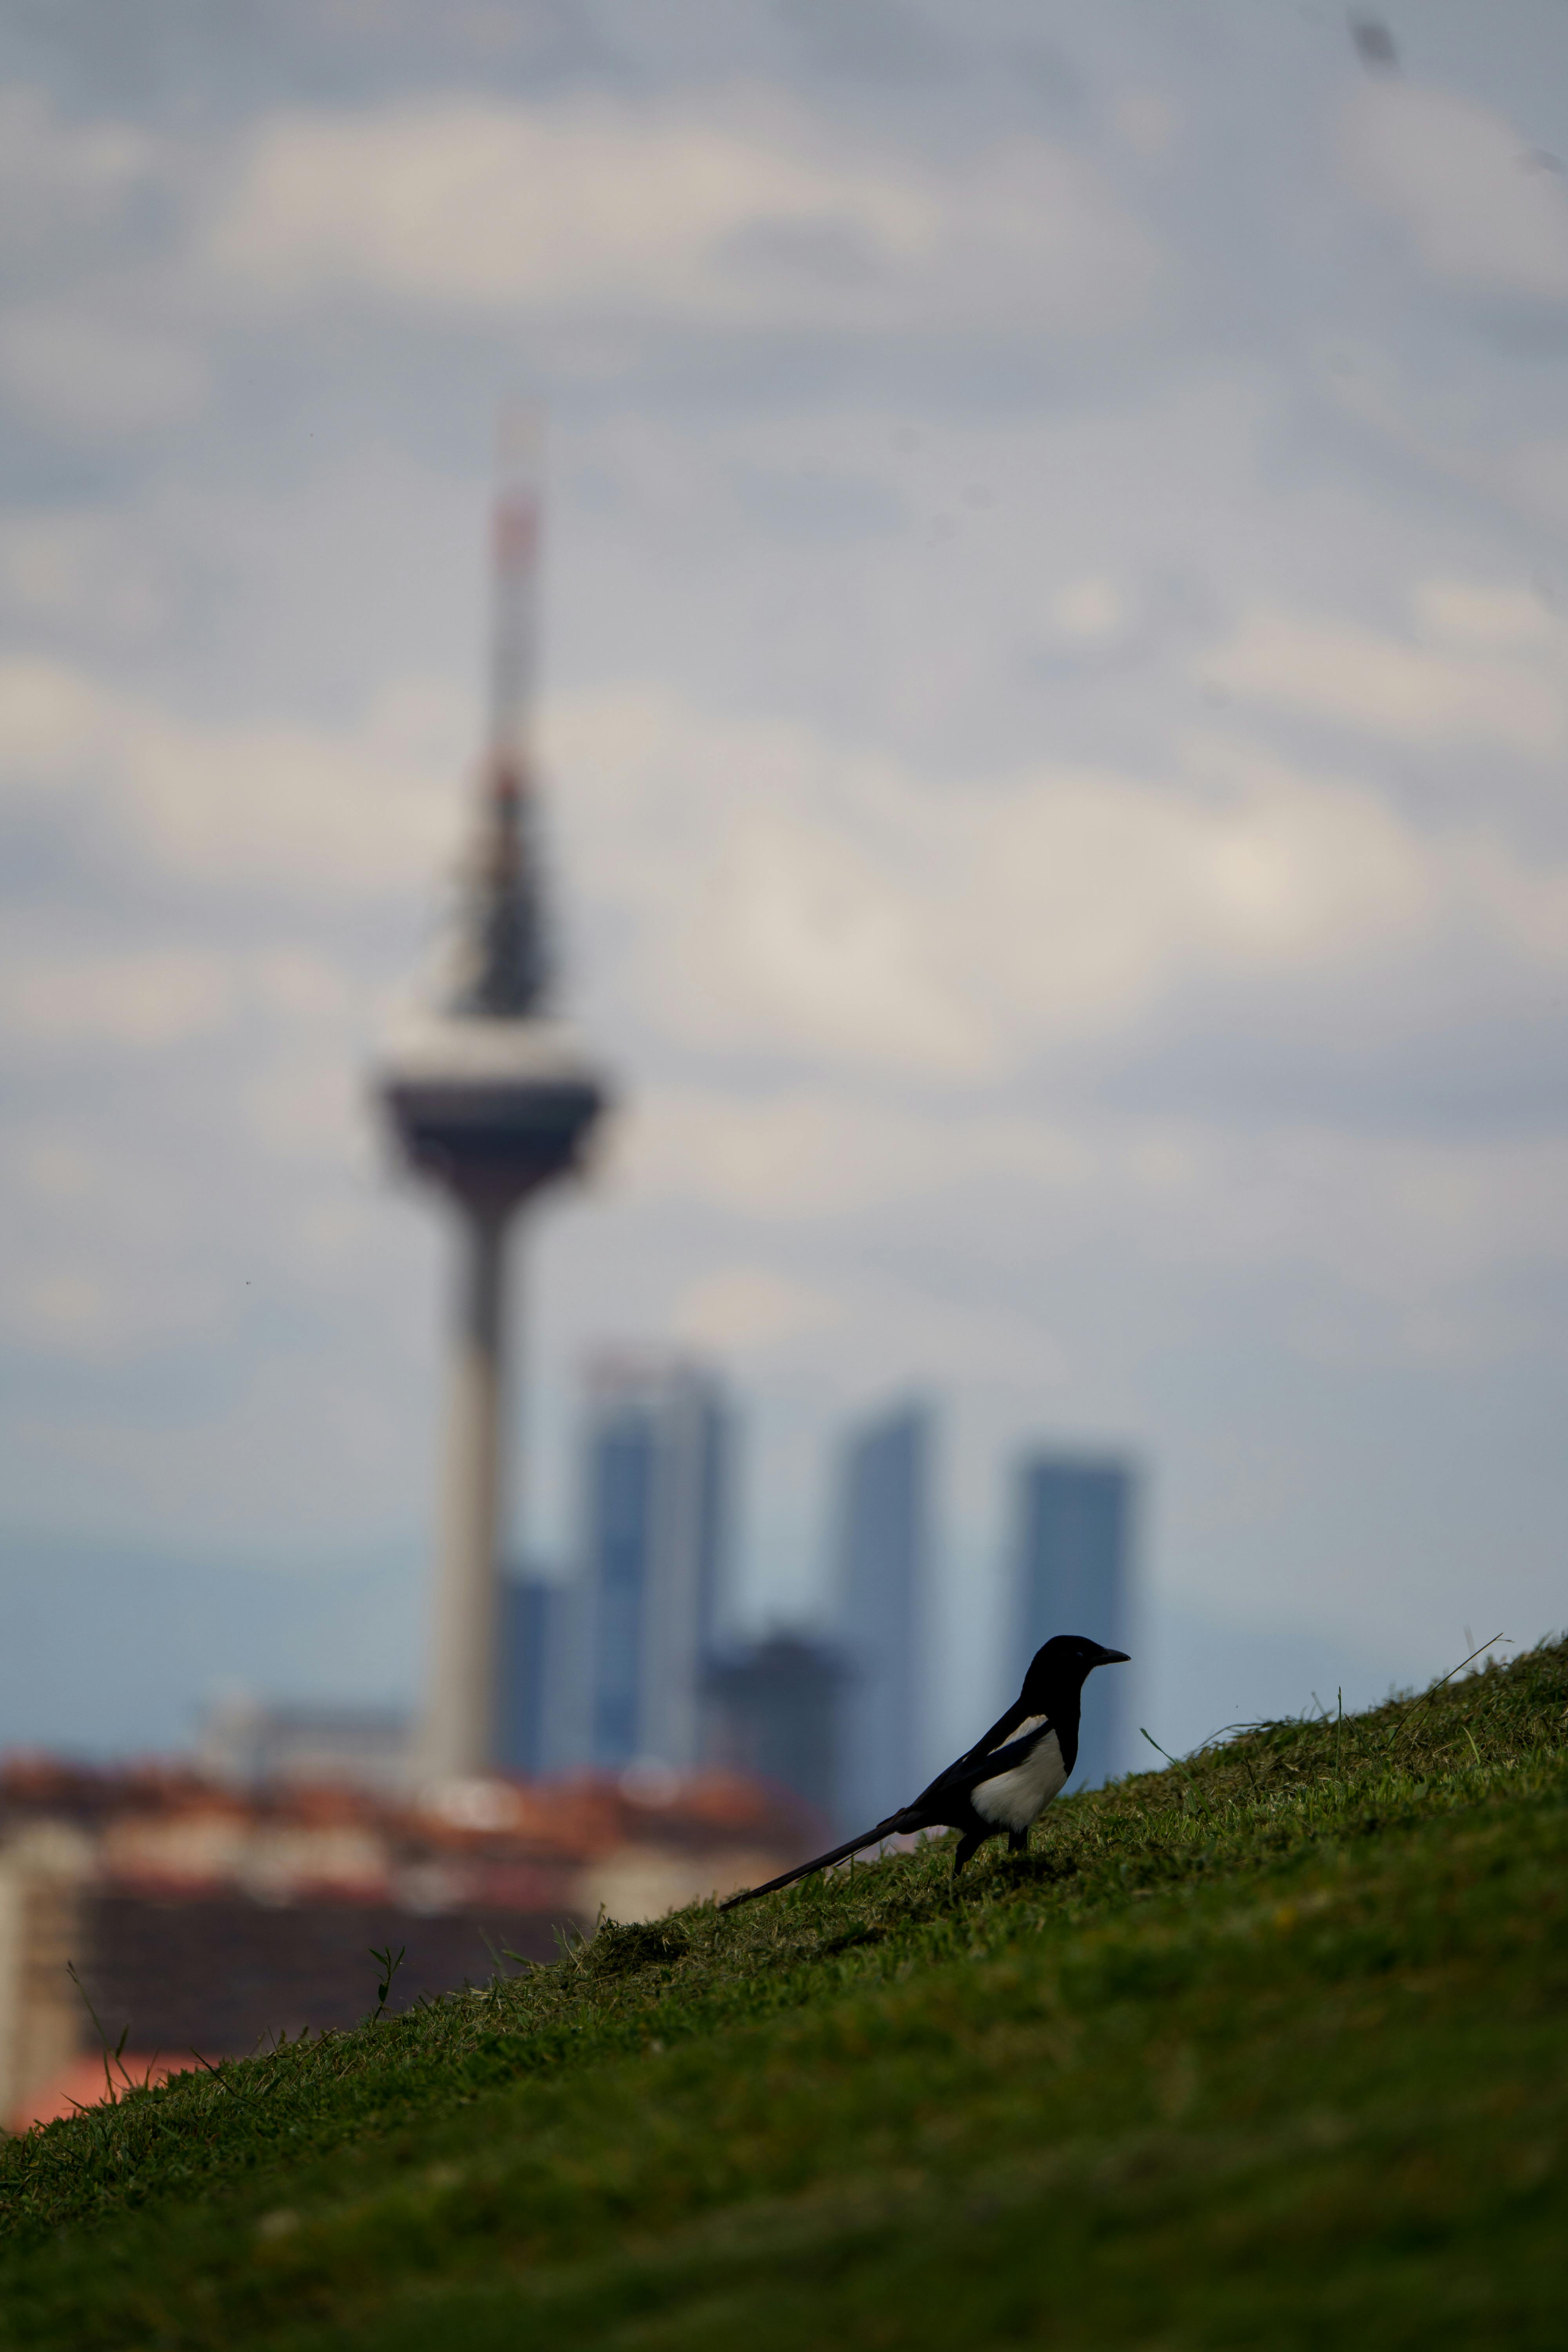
x=1250 y=2049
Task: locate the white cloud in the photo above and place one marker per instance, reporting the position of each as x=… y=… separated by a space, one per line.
x=1411 y=1243
x=51 y=719
x=312 y=1103
x=736 y=212
x=1089 y=612
x=1535 y=476
x=802 y=940
x=104 y=1287
x=1384 y=686
x=64 y=1311
x=778 y=895
x=1479 y=210
x=55 y=1166
x=749 y=1307
x=84 y=366
x=304 y=812
x=1099 y=894
x=152 y=998
x=1472 y=613
x=98 y=339
x=770 y=891
x=55 y=176
x=75 y=571
x=805 y=1153
x=1049 y=1241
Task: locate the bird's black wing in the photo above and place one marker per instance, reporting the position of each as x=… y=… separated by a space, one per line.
x=985 y=1747
x=981 y=1763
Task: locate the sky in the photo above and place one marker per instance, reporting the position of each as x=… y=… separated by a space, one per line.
x=1055 y=605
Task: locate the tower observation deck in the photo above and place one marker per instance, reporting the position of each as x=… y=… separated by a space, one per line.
x=491 y=1098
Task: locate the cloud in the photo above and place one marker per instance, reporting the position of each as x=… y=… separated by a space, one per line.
x=93 y=343
x=1404 y=692
x=1535 y=476
x=103 y=1255
x=781 y=895
x=1472 y=613
x=1089 y=612
x=82 y=574
x=303 y=813
x=58 y=177
x=747 y=1307
x=84 y=367
x=1420 y=1249
x=147 y=999
x=1480 y=209
x=761 y=888
x=806 y=1153
x=732 y=212
x=803 y=939
x=310 y=1103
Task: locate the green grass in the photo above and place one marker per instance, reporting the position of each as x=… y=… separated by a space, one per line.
x=1269 y=2049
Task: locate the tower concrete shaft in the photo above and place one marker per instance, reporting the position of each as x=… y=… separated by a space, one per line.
x=457 y=1734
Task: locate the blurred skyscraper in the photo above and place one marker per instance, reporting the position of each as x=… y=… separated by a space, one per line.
x=539 y=1676
x=656 y=1506
x=884 y=1543
x=773 y=1711
x=1073 y=1569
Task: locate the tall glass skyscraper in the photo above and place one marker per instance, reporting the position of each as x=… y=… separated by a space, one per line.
x=655 y=1513
x=1073 y=1571
x=884 y=1542
x=533 y=1722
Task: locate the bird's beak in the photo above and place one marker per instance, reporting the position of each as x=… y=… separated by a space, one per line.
x=1114 y=1658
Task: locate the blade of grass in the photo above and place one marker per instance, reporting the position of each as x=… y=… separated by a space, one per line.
x=1427 y=1696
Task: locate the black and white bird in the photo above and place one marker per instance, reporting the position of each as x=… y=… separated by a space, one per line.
x=1005 y=1781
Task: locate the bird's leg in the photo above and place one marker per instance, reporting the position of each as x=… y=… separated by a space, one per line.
x=970 y=1843
x=1018 y=1840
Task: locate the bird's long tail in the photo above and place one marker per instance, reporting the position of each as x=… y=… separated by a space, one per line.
x=890 y=1828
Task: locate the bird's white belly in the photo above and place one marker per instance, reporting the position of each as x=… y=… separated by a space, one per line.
x=1017 y=1797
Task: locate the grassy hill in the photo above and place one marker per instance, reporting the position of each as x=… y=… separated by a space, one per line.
x=1269 y=2045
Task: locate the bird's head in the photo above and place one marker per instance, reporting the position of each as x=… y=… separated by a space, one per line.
x=1064 y=1662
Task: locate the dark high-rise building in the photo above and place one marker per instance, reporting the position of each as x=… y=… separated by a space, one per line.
x=883 y=1545
x=538 y=1621
x=773 y=1711
x=1073 y=1572
x=655 y=1505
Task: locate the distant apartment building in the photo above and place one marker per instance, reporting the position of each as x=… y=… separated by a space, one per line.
x=259 y=1743
x=773 y=1712
x=204 y=1916
x=1072 y=1574
x=657 y=1478
x=883 y=1544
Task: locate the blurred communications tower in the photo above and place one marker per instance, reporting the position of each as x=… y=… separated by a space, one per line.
x=491 y=1099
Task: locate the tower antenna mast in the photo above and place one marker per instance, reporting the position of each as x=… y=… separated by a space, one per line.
x=514 y=609
x=503 y=956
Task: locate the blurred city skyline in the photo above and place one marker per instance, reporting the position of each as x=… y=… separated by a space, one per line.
x=1055 y=598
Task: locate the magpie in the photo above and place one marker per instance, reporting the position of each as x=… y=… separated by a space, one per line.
x=1007 y=1779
